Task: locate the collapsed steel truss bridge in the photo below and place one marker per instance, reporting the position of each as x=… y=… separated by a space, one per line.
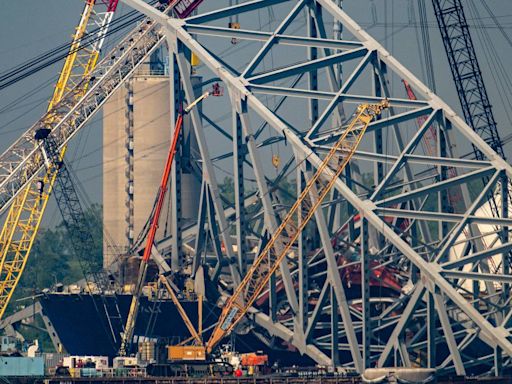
x=399 y=275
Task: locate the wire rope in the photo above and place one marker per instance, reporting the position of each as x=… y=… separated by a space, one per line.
x=501 y=79
x=427 y=50
x=92 y=34
x=16 y=74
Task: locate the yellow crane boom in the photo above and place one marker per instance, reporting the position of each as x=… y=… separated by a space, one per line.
x=24 y=217
x=196 y=335
x=268 y=261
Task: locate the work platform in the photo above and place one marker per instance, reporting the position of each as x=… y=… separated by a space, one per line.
x=257 y=380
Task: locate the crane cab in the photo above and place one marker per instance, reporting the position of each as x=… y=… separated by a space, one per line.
x=186 y=353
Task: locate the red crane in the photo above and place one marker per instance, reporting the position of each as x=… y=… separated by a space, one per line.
x=134 y=307
x=429 y=144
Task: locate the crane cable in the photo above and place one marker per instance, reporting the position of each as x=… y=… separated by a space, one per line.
x=51 y=57
x=495 y=20
x=429 y=66
x=275 y=251
x=502 y=80
x=66 y=46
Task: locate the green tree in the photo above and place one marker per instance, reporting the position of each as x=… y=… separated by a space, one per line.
x=48 y=262
x=53 y=259
x=93 y=221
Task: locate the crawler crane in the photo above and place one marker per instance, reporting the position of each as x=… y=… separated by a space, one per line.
x=26 y=212
x=271 y=257
x=276 y=250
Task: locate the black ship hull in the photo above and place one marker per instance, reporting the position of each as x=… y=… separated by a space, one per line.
x=82 y=325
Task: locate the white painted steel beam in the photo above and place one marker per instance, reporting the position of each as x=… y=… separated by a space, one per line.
x=419 y=263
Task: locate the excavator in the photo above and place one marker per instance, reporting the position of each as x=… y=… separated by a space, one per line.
x=194 y=351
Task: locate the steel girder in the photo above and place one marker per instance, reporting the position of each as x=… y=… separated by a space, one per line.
x=434 y=289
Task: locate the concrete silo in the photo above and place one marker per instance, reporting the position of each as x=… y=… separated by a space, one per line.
x=136 y=137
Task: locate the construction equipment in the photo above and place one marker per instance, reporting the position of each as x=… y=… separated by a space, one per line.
x=183 y=8
x=274 y=253
x=75 y=102
x=472 y=92
x=134 y=306
x=429 y=146
x=26 y=212
x=253 y=359
x=268 y=261
x=429 y=139
x=468 y=78
x=196 y=335
x=468 y=324
x=266 y=264
x=466 y=73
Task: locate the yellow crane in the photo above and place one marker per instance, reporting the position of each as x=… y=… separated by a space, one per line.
x=276 y=250
x=316 y=189
x=24 y=217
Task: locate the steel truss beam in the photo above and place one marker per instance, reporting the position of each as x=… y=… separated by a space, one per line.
x=424 y=270
x=19 y=163
x=419 y=256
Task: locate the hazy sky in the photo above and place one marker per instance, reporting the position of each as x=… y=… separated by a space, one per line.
x=31 y=28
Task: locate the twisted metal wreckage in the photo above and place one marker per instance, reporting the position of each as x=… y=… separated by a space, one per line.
x=410 y=277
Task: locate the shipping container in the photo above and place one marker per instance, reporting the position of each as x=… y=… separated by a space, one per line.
x=21 y=366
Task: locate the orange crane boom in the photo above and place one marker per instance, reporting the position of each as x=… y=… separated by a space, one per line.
x=134 y=306
x=274 y=253
x=429 y=143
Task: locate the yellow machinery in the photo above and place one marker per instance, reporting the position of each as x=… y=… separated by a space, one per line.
x=195 y=352
x=316 y=189
x=268 y=261
x=196 y=335
x=186 y=352
x=25 y=214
